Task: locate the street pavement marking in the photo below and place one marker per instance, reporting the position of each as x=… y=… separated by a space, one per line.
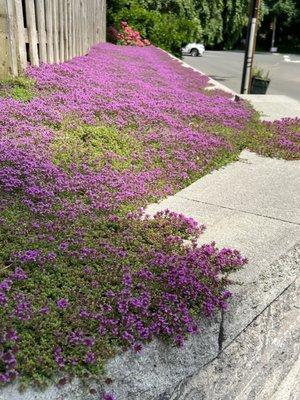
x=287 y=58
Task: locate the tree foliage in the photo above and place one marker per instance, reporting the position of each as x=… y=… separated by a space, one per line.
x=168 y=24
x=218 y=23
x=286 y=8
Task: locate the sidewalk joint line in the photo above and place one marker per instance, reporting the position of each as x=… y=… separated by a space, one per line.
x=241 y=211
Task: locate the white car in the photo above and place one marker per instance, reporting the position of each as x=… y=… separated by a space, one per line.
x=193 y=49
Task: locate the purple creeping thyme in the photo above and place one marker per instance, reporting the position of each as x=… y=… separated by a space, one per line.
x=108 y=396
x=83 y=271
x=62 y=303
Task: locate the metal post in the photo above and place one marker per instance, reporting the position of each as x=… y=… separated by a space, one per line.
x=272 y=50
x=250 y=46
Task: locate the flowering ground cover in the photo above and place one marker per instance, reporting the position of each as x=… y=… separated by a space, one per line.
x=83 y=273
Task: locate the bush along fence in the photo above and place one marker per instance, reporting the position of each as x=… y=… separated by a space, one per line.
x=48 y=31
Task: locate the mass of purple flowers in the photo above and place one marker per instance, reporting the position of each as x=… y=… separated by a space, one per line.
x=83 y=271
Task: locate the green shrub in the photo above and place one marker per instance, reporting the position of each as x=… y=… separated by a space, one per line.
x=164 y=29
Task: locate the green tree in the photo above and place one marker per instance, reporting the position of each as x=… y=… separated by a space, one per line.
x=283 y=8
x=210 y=16
x=235 y=18
x=222 y=21
x=282 y=12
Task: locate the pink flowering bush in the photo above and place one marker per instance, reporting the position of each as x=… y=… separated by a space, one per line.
x=83 y=272
x=128 y=36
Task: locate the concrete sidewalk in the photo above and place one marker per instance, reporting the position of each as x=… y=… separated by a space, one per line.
x=274 y=107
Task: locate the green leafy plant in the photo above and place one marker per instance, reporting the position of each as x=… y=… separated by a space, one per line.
x=260 y=74
x=19 y=88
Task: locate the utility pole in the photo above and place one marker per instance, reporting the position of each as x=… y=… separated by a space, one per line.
x=250 y=46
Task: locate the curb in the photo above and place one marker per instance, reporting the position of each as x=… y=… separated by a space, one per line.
x=214 y=84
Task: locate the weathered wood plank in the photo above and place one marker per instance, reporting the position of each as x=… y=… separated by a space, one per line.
x=80 y=23
x=21 y=34
x=83 y=31
x=55 y=31
x=61 y=30
x=40 y=12
x=79 y=30
x=67 y=28
x=49 y=30
x=32 y=32
x=102 y=21
x=74 y=47
x=12 y=44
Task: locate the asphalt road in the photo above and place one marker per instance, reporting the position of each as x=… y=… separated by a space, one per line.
x=226 y=67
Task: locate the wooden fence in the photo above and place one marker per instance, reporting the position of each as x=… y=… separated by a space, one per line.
x=52 y=31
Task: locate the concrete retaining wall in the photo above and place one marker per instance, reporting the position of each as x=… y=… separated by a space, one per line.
x=259 y=357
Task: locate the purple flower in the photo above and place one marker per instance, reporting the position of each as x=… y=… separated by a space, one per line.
x=6 y=284
x=108 y=396
x=58 y=356
x=44 y=310
x=12 y=335
x=62 y=303
x=19 y=274
x=90 y=358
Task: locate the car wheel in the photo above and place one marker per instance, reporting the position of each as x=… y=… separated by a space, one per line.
x=194 y=53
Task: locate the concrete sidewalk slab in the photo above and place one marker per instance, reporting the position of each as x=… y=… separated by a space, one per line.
x=257 y=185
x=273 y=107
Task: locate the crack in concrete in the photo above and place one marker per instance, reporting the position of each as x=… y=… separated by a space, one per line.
x=241 y=211
x=221 y=336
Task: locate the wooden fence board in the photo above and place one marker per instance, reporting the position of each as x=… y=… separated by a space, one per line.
x=13 y=58
x=66 y=30
x=49 y=30
x=80 y=24
x=21 y=34
x=55 y=31
x=61 y=30
x=76 y=24
x=32 y=32
x=74 y=38
x=41 y=24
